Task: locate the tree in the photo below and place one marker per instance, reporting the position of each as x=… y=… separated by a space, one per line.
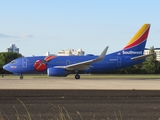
x=151 y=65
x=6 y=57
x=135 y=69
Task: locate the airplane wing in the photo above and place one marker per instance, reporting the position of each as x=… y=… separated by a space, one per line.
x=85 y=64
x=141 y=57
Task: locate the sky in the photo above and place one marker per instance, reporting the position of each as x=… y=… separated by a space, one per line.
x=38 y=26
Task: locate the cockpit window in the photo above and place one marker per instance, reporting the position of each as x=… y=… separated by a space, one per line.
x=13 y=62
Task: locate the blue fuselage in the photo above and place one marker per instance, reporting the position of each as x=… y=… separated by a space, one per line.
x=110 y=62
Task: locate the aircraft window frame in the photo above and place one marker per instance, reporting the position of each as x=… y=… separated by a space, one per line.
x=13 y=62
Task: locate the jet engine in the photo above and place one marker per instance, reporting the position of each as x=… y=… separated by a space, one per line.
x=56 y=72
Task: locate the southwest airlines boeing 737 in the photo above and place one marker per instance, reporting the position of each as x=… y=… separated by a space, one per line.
x=130 y=55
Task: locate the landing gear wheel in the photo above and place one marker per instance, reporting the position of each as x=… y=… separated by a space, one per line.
x=21 y=77
x=77 y=76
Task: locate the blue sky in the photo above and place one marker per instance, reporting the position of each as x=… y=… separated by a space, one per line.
x=38 y=26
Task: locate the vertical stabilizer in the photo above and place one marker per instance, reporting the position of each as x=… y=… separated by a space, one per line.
x=138 y=42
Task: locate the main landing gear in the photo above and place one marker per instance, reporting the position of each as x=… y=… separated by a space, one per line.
x=77 y=76
x=21 y=77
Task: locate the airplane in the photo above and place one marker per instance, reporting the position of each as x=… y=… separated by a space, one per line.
x=130 y=55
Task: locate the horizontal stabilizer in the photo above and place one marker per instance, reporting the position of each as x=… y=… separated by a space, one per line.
x=141 y=57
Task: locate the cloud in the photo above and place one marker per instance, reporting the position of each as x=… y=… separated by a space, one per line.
x=19 y=36
x=7 y=36
x=25 y=36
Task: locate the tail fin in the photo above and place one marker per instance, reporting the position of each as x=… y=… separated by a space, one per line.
x=138 y=42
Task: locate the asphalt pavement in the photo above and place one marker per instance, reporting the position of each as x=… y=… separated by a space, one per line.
x=84 y=99
x=80 y=104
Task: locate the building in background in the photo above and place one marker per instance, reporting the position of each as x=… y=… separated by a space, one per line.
x=48 y=53
x=69 y=52
x=156 y=50
x=13 y=48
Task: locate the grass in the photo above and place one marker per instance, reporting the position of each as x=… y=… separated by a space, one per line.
x=29 y=116
x=123 y=76
x=59 y=113
x=90 y=76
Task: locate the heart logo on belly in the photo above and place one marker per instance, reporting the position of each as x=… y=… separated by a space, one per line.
x=41 y=65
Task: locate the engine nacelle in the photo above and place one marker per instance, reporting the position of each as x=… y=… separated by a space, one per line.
x=56 y=72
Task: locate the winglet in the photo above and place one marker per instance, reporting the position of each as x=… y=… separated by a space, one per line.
x=102 y=55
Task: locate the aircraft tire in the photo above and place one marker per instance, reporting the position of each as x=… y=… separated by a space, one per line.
x=21 y=77
x=77 y=76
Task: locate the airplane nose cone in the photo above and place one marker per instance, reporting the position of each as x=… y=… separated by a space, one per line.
x=6 y=67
